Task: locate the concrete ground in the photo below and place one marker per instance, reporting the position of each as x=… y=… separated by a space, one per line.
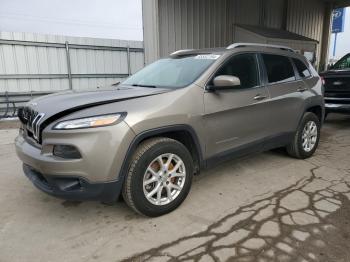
x=265 y=207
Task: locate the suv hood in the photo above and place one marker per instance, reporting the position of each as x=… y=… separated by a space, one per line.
x=42 y=111
x=71 y=101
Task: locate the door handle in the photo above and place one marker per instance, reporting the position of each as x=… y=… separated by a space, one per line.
x=259 y=97
x=301 y=89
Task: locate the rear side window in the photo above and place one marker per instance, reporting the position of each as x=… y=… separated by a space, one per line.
x=278 y=68
x=243 y=66
x=301 y=68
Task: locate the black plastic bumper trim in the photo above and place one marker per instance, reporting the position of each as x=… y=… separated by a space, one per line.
x=337 y=108
x=84 y=190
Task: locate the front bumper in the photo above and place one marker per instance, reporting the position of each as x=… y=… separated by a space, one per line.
x=73 y=188
x=92 y=177
x=102 y=152
x=337 y=108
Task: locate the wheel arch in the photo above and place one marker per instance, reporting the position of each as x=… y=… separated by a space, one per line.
x=185 y=134
x=317 y=110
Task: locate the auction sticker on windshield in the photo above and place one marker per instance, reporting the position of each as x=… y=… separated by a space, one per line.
x=209 y=56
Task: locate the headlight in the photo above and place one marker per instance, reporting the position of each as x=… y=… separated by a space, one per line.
x=94 y=121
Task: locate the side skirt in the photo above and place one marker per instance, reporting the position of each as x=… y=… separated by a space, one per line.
x=255 y=147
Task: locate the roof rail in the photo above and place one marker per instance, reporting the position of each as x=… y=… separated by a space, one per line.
x=235 y=45
x=177 y=52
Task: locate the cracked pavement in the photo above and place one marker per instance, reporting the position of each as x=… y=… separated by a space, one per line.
x=264 y=207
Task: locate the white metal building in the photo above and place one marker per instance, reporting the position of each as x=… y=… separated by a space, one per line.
x=170 y=25
x=32 y=62
x=36 y=64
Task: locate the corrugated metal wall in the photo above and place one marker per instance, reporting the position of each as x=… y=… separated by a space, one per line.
x=34 y=63
x=210 y=23
x=247 y=11
x=202 y=23
x=191 y=24
x=150 y=17
x=273 y=13
x=306 y=18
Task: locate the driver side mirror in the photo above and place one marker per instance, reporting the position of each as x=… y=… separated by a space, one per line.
x=223 y=82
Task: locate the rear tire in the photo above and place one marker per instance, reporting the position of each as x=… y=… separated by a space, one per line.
x=307 y=137
x=161 y=166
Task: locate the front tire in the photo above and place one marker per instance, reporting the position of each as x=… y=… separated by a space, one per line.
x=159 y=177
x=307 y=137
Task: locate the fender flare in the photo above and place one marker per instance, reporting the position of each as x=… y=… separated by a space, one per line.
x=155 y=132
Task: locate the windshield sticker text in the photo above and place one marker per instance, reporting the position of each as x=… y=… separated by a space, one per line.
x=210 y=57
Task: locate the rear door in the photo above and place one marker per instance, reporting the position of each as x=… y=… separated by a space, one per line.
x=235 y=118
x=286 y=91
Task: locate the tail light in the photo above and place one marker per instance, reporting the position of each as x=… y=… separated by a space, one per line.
x=323 y=85
x=323 y=80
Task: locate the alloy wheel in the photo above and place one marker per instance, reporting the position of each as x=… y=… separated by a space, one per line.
x=164 y=179
x=309 y=136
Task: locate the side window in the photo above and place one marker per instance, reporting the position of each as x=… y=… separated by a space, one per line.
x=343 y=63
x=278 y=68
x=301 y=68
x=243 y=66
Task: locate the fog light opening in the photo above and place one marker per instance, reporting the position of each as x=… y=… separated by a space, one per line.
x=66 y=151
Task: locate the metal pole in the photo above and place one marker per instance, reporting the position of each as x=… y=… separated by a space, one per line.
x=326 y=33
x=335 y=44
x=128 y=60
x=68 y=66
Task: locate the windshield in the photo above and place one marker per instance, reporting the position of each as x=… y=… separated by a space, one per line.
x=343 y=63
x=172 y=72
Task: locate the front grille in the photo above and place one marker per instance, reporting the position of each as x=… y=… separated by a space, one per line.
x=343 y=82
x=31 y=119
x=337 y=87
x=337 y=94
x=337 y=90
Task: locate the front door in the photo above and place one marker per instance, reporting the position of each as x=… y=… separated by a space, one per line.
x=235 y=118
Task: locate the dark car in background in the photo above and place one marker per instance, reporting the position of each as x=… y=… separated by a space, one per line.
x=337 y=86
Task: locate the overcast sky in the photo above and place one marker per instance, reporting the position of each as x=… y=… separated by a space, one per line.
x=118 y=19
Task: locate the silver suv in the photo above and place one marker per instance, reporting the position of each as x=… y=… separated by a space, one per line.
x=148 y=136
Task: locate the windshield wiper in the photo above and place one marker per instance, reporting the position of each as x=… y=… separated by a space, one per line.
x=150 y=86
